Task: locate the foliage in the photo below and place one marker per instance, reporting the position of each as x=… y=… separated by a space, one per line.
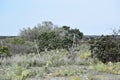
x=109 y=68
x=69 y=35
x=75 y=78
x=46 y=40
x=17 y=45
x=106 y=48
x=50 y=37
x=17 y=41
x=4 y=51
x=100 y=67
x=31 y=34
x=85 y=55
x=17 y=73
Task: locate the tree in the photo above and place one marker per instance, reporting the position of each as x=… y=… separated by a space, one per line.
x=51 y=37
x=31 y=34
x=69 y=35
x=72 y=37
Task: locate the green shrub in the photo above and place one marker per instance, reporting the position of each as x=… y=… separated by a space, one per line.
x=106 y=48
x=86 y=55
x=4 y=51
x=17 y=41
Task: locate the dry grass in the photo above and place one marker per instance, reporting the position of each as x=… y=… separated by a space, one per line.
x=52 y=66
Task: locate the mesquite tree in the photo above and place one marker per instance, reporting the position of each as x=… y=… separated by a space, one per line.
x=49 y=36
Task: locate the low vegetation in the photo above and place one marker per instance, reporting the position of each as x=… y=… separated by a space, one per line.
x=52 y=65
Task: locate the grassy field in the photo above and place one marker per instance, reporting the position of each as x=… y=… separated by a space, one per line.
x=55 y=65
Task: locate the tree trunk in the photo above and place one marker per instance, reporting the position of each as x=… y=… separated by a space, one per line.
x=72 y=50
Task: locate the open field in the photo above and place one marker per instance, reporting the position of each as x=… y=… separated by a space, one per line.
x=55 y=65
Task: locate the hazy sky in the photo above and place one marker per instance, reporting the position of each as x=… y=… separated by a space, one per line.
x=90 y=16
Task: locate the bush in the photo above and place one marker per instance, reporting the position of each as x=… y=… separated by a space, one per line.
x=85 y=55
x=17 y=41
x=28 y=47
x=106 y=48
x=4 y=51
x=17 y=45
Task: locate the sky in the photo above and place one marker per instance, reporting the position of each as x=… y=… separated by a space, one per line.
x=92 y=17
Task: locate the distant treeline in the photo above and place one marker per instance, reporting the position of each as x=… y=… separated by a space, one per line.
x=3 y=37
x=97 y=36
x=85 y=36
x=92 y=36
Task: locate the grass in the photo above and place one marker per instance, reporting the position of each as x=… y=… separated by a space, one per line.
x=57 y=66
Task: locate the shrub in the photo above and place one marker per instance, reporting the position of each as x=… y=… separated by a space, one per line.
x=75 y=78
x=106 y=48
x=17 y=41
x=4 y=51
x=17 y=45
x=85 y=55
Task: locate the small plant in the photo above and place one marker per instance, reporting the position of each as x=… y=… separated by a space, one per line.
x=25 y=73
x=68 y=73
x=75 y=78
x=99 y=67
x=110 y=67
x=86 y=55
x=58 y=72
x=46 y=67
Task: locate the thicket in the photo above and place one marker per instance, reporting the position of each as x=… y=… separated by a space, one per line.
x=106 y=48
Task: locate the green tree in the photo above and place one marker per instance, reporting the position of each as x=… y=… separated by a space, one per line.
x=31 y=34
x=69 y=35
x=46 y=40
x=49 y=36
